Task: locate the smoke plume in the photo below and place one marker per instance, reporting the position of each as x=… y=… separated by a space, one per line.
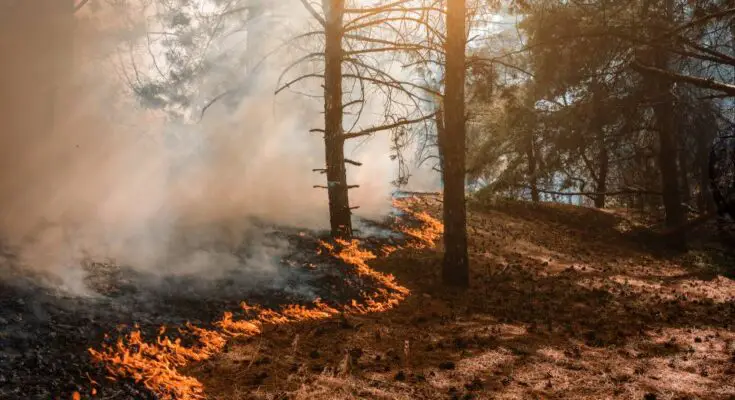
x=87 y=173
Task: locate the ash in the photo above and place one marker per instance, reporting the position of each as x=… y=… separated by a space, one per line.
x=45 y=332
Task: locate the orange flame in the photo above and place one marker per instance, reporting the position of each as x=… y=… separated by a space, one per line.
x=156 y=363
x=430 y=230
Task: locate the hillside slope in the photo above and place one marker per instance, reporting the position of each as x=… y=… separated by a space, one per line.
x=564 y=305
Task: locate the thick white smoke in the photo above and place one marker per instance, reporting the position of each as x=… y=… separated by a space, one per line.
x=112 y=180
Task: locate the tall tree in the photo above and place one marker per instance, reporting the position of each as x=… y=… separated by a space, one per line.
x=455 y=267
x=340 y=215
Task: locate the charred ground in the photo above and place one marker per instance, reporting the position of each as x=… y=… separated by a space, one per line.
x=45 y=333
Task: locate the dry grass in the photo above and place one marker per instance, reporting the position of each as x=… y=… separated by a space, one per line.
x=563 y=305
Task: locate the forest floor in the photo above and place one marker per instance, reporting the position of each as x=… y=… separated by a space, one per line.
x=566 y=302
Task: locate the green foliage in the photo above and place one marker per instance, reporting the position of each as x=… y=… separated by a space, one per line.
x=585 y=101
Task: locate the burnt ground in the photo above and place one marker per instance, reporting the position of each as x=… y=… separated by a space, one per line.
x=565 y=303
x=45 y=332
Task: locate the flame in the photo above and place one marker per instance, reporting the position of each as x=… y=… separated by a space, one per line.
x=427 y=234
x=157 y=363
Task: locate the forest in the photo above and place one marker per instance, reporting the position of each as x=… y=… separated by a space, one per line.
x=367 y=199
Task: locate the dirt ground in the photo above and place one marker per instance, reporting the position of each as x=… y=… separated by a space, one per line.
x=565 y=303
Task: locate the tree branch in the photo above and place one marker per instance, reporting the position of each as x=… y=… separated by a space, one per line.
x=693 y=80
x=313 y=12
x=400 y=123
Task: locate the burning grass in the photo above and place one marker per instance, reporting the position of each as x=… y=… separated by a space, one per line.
x=429 y=229
x=158 y=363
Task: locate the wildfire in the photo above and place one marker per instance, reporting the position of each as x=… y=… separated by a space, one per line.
x=157 y=363
x=430 y=229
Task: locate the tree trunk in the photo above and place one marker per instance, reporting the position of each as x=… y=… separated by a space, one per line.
x=661 y=87
x=340 y=215
x=664 y=112
x=455 y=268
x=601 y=184
x=686 y=194
x=532 y=166
x=598 y=126
x=705 y=202
x=440 y=135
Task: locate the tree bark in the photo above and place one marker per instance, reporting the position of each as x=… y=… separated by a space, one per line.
x=660 y=86
x=705 y=203
x=664 y=112
x=598 y=126
x=455 y=268
x=340 y=216
x=601 y=183
x=686 y=193
x=532 y=166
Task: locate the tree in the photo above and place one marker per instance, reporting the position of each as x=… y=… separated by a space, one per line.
x=614 y=85
x=455 y=266
x=340 y=214
x=348 y=44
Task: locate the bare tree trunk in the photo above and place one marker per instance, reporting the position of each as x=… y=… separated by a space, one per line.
x=455 y=268
x=340 y=215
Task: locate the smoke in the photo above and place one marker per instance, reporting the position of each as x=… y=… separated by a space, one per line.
x=86 y=173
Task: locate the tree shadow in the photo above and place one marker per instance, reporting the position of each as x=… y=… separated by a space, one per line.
x=565 y=311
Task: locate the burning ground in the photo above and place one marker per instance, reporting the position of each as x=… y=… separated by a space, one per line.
x=566 y=303
x=134 y=333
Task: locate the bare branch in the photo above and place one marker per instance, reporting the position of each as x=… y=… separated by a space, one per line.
x=313 y=12
x=400 y=123
x=378 y=9
x=296 y=80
